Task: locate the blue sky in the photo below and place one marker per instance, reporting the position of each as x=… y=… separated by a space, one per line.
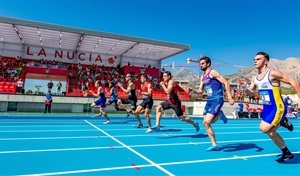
x=230 y=31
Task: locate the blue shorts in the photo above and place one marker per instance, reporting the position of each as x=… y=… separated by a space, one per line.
x=213 y=106
x=273 y=114
x=100 y=102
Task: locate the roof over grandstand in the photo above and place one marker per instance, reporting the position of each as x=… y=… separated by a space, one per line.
x=31 y=33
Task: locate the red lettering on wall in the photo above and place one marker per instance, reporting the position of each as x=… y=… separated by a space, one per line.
x=68 y=55
x=58 y=53
x=42 y=52
x=28 y=53
x=98 y=58
x=79 y=56
x=90 y=59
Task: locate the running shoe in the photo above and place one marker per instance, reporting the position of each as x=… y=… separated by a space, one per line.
x=149 y=130
x=140 y=126
x=286 y=124
x=157 y=128
x=197 y=126
x=213 y=148
x=106 y=122
x=223 y=117
x=284 y=158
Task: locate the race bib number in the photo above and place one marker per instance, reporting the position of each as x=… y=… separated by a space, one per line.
x=265 y=97
x=208 y=90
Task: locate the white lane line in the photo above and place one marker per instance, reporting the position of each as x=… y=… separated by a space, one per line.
x=30 y=131
x=139 y=146
x=129 y=148
x=223 y=159
x=148 y=165
x=49 y=138
x=118 y=129
x=40 y=126
x=169 y=135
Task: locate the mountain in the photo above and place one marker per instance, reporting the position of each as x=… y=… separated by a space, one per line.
x=289 y=66
x=184 y=73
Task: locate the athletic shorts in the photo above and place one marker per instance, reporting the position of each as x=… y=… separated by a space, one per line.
x=101 y=103
x=176 y=107
x=147 y=103
x=213 y=106
x=129 y=101
x=110 y=101
x=274 y=114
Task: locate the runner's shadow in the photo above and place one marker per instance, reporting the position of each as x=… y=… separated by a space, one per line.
x=180 y=136
x=295 y=160
x=115 y=122
x=240 y=146
x=169 y=130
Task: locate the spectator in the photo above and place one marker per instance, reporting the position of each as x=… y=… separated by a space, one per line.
x=238 y=109
x=50 y=85
x=47 y=71
x=58 y=88
x=288 y=103
x=48 y=102
x=19 y=86
x=85 y=88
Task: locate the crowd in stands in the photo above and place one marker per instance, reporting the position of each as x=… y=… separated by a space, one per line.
x=48 y=64
x=87 y=75
x=11 y=69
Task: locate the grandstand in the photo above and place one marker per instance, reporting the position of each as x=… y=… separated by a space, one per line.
x=32 y=49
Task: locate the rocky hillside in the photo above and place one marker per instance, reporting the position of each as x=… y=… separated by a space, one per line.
x=290 y=67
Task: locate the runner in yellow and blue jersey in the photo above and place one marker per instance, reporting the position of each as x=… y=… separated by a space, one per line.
x=268 y=83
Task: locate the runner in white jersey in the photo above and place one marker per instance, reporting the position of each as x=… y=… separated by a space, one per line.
x=268 y=83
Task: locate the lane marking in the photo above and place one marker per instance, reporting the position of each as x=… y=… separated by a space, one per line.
x=137 y=146
x=132 y=150
x=243 y=158
x=118 y=129
x=162 y=164
x=136 y=167
x=34 y=131
x=142 y=135
x=194 y=143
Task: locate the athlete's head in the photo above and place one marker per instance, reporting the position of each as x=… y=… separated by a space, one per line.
x=128 y=77
x=97 y=84
x=110 y=84
x=167 y=75
x=143 y=78
x=261 y=59
x=204 y=63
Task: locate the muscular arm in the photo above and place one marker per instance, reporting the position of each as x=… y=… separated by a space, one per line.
x=219 y=77
x=200 y=89
x=169 y=87
x=278 y=75
x=129 y=88
x=98 y=92
x=251 y=89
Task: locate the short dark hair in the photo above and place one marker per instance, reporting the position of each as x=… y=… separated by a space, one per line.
x=207 y=60
x=168 y=73
x=129 y=74
x=264 y=54
x=144 y=75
